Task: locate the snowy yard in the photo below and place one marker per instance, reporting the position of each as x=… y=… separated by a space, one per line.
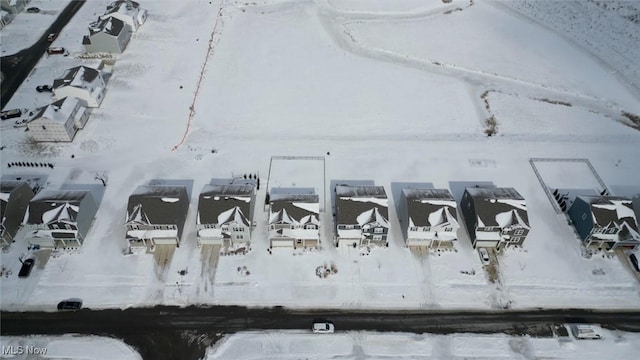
x=386 y=91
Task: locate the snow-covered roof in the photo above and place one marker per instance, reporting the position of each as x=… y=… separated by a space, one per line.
x=78 y=76
x=361 y=204
x=58 y=111
x=430 y=207
x=612 y=211
x=55 y=205
x=499 y=207
x=110 y=26
x=294 y=209
x=216 y=200
x=122 y=6
x=158 y=205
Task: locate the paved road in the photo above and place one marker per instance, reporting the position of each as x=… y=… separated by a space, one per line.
x=18 y=66
x=185 y=333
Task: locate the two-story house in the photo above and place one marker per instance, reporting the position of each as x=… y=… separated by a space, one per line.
x=14 y=200
x=59 y=218
x=605 y=222
x=294 y=218
x=362 y=215
x=82 y=82
x=495 y=217
x=107 y=35
x=127 y=11
x=58 y=121
x=156 y=215
x=429 y=217
x=225 y=212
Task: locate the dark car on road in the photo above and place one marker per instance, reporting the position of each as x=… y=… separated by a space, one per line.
x=634 y=262
x=33 y=10
x=44 y=88
x=10 y=114
x=70 y=304
x=25 y=270
x=52 y=37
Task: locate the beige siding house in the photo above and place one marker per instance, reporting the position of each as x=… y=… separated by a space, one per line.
x=58 y=121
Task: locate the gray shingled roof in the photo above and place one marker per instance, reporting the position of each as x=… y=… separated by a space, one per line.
x=147 y=203
x=216 y=199
x=419 y=207
x=487 y=204
x=285 y=201
x=20 y=193
x=348 y=210
x=110 y=25
x=87 y=75
x=604 y=217
x=57 y=201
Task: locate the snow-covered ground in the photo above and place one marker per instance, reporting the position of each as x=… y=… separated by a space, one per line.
x=65 y=347
x=389 y=91
x=368 y=345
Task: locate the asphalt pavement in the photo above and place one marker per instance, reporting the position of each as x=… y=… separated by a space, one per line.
x=184 y=333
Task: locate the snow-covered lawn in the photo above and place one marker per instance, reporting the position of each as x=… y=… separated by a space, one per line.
x=368 y=345
x=66 y=347
x=358 y=86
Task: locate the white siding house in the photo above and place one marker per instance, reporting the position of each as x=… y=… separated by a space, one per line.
x=58 y=121
x=81 y=82
x=128 y=12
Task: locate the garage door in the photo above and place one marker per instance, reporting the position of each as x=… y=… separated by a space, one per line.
x=282 y=243
x=165 y=241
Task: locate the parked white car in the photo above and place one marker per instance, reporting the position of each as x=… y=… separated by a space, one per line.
x=484 y=256
x=323 y=327
x=584 y=331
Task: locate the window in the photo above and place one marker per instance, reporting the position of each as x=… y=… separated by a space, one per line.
x=448 y=229
x=518 y=232
x=239 y=237
x=584 y=216
x=43 y=127
x=55 y=226
x=377 y=237
x=310 y=227
x=377 y=230
x=299 y=241
x=414 y=228
x=349 y=227
x=238 y=229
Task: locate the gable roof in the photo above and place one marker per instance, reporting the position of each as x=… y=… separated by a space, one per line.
x=612 y=211
x=78 y=76
x=499 y=207
x=158 y=205
x=122 y=6
x=361 y=204
x=58 y=111
x=55 y=205
x=110 y=26
x=220 y=204
x=430 y=207
x=294 y=209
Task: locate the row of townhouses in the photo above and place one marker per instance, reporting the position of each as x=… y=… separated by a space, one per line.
x=156 y=214
x=82 y=88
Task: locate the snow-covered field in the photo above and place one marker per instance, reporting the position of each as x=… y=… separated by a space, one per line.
x=368 y=345
x=389 y=91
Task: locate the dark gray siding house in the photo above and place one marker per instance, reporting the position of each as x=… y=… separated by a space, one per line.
x=14 y=200
x=294 y=219
x=60 y=218
x=605 y=222
x=362 y=215
x=495 y=217
x=156 y=215
x=109 y=35
x=225 y=213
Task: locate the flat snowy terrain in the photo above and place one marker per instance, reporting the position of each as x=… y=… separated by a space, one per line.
x=388 y=91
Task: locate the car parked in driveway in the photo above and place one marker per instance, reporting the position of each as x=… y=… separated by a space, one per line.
x=44 y=88
x=25 y=270
x=53 y=50
x=70 y=304
x=10 y=114
x=322 y=327
x=634 y=262
x=484 y=256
